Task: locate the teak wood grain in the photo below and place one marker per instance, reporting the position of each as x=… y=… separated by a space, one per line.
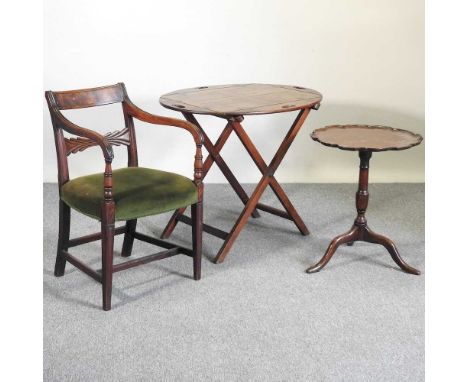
x=86 y=138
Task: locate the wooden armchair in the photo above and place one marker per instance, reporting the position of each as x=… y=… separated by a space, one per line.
x=124 y=194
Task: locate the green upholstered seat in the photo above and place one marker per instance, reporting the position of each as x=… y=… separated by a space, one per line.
x=137 y=192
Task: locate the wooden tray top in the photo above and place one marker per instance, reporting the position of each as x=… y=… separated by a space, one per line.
x=366 y=138
x=245 y=99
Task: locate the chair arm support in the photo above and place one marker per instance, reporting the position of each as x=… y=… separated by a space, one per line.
x=107 y=150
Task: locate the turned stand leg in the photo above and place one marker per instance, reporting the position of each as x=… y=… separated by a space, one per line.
x=360 y=231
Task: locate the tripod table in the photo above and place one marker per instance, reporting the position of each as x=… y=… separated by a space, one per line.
x=232 y=103
x=365 y=139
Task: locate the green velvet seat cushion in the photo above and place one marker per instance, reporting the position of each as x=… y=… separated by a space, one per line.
x=137 y=192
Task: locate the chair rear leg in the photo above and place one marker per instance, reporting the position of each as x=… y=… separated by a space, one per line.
x=197 y=233
x=63 y=238
x=107 y=242
x=129 y=237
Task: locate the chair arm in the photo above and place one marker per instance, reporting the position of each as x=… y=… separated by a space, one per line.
x=144 y=116
x=134 y=111
x=107 y=150
x=79 y=131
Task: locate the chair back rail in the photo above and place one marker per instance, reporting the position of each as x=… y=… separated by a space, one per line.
x=82 y=98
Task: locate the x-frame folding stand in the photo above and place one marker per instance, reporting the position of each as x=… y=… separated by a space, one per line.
x=251 y=204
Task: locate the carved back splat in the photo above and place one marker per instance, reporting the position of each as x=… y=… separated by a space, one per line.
x=115 y=138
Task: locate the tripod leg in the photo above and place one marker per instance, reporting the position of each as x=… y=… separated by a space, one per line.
x=350 y=236
x=373 y=237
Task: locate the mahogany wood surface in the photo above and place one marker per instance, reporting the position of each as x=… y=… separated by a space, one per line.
x=77 y=99
x=232 y=102
x=84 y=139
x=241 y=99
x=366 y=137
x=375 y=138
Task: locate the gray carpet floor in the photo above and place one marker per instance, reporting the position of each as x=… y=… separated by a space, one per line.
x=257 y=316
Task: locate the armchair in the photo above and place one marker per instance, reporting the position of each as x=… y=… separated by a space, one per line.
x=124 y=194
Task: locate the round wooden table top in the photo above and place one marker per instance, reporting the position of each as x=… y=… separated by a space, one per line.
x=366 y=138
x=241 y=99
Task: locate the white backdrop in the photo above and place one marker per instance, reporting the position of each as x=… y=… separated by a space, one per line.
x=365 y=57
